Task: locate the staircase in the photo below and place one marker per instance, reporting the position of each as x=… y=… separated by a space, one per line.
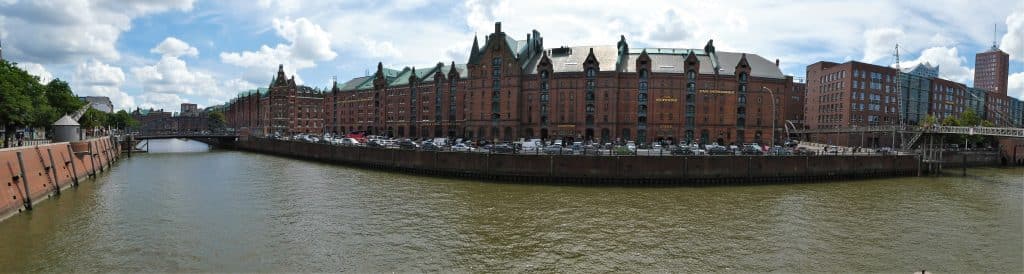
x=909 y=144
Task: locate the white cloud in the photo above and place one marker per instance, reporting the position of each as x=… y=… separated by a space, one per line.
x=1013 y=40
x=173 y=47
x=880 y=43
x=1015 y=87
x=165 y=101
x=37 y=70
x=172 y=75
x=941 y=40
x=65 y=31
x=952 y=66
x=671 y=27
x=308 y=43
x=99 y=79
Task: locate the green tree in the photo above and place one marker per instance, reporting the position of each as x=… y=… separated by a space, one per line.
x=16 y=103
x=216 y=120
x=122 y=120
x=61 y=98
x=929 y=121
x=969 y=118
x=92 y=119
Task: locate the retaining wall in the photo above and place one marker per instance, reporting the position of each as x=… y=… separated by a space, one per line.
x=598 y=169
x=44 y=170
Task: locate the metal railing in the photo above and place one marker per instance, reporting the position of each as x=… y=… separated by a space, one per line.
x=28 y=142
x=986 y=131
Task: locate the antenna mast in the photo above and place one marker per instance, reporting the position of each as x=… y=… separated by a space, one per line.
x=899 y=90
x=994 y=27
x=899 y=101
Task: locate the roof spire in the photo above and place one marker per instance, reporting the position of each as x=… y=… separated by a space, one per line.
x=474 y=52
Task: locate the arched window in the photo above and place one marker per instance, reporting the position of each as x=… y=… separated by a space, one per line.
x=591 y=72
x=590 y=108
x=643 y=74
x=691 y=75
x=743 y=77
x=544 y=74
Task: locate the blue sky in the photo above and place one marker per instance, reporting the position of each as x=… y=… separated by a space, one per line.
x=162 y=53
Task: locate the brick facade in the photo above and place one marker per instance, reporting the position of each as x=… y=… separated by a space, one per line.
x=511 y=89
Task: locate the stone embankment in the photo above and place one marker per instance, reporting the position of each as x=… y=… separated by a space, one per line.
x=691 y=170
x=32 y=174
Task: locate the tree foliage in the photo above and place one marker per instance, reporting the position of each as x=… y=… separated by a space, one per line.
x=967 y=119
x=216 y=120
x=61 y=98
x=17 y=105
x=121 y=120
x=93 y=119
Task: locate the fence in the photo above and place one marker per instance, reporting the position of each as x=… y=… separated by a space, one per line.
x=28 y=142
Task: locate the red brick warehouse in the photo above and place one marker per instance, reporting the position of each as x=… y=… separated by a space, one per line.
x=510 y=89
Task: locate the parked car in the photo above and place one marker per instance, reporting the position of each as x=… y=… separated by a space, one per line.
x=682 y=150
x=462 y=148
x=349 y=142
x=408 y=144
x=719 y=150
x=430 y=146
x=375 y=143
x=553 y=149
x=631 y=146
x=830 y=149
x=885 y=151
x=751 y=150
x=779 y=151
x=803 y=151
x=503 y=148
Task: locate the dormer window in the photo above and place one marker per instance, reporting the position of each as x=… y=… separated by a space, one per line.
x=544 y=74
x=643 y=74
x=691 y=75
x=743 y=77
x=591 y=72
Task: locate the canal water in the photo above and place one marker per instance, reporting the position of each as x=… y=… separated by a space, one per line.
x=183 y=208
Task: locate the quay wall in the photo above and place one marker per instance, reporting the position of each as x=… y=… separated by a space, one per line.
x=694 y=170
x=48 y=169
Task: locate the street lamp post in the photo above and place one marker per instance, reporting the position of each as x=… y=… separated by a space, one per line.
x=774 y=114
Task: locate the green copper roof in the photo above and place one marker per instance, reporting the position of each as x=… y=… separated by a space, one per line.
x=354 y=83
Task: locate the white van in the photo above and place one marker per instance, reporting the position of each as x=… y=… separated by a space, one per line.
x=530 y=145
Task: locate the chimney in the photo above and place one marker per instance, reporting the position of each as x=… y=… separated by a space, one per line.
x=776 y=62
x=497 y=27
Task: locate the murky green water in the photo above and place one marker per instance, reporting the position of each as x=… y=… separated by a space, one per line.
x=234 y=211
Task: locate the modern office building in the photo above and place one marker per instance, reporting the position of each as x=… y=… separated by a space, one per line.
x=914 y=103
x=991 y=70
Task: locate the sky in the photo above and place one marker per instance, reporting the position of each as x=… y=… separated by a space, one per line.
x=160 y=53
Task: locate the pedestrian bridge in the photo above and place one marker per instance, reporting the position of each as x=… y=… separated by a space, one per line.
x=228 y=135
x=984 y=131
